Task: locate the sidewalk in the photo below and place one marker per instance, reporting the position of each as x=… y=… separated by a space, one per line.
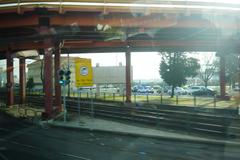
x=100 y=125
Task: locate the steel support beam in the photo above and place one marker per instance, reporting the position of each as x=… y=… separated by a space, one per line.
x=123 y=21
x=57 y=102
x=48 y=98
x=185 y=45
x=22 y=80
x=222 y=77
x=10 y=79
x=120 y=6
x=128 y=75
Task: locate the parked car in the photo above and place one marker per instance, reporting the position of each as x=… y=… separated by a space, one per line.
x=204 y=92
x=236 y=88
x=166 y=89
x=145 y=89
x=192 y=89
x=157 y=89
x=135 y=89
x=107 y=89
x=178 y=91
x=141 y=90
x=149 y=89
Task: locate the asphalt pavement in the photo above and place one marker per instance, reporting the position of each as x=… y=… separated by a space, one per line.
x=20 y=140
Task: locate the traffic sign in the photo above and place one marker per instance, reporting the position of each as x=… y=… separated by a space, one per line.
x=84 y=73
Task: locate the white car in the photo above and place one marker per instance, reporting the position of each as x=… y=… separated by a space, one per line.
x=141 y=89
x=108 y=89
x=149 y=89
x=145 y=89
x=178 y=91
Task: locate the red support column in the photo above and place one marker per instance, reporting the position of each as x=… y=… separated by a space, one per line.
x=128 y=75
x=22 y=80
x=222 y=77
x=57 y=101
x=48 y=98
x=10 y=80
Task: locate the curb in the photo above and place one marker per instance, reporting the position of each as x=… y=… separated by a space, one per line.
x=160 y=137
x=50 y=121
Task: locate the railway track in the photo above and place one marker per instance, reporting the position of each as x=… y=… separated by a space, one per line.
x=180 y=120
x=191 y=122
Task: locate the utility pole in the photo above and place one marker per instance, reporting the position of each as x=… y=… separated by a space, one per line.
x=239 y=75
x=64 y=79
x=68 y=83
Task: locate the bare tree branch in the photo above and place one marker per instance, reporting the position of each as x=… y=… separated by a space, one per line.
x=208 y=70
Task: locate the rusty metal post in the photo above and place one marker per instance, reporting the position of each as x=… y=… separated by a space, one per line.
x=147 y=97
x=194 y=100
x=222 y=77
x=135 y=98
x=176 y=99
x=214 y=101
x=22 y=80
x=113 y=96
x=10 y=79
x=95 y=95
x=128 y=75
x=48 y=98
x=58 y=91
x=44 y=30
x=161 y=98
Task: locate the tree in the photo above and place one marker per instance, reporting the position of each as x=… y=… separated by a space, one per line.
x=232 y=66
x=208 y=70
x=176 y=67
x=30 y=84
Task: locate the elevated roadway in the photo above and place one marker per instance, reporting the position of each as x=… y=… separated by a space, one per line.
x=81 y=26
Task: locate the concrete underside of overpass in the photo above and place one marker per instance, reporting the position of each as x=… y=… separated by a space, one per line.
x=54 y=30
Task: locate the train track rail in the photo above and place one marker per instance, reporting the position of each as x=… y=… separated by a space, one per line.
x=179 y=120
x=202 y=123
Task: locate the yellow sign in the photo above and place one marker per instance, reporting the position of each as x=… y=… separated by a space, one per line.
x=84 y=73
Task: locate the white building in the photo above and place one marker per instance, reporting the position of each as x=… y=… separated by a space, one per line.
x=114 y=75
x=2 y=77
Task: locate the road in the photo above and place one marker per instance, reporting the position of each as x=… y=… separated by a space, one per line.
x=19 y=140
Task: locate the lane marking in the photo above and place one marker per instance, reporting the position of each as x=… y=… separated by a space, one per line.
x=74 y=156
x=38 y=148
x=24 y=145
x=3 y=157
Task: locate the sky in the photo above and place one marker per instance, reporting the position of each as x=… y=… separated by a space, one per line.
x=219 y=1
x=145 y=64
